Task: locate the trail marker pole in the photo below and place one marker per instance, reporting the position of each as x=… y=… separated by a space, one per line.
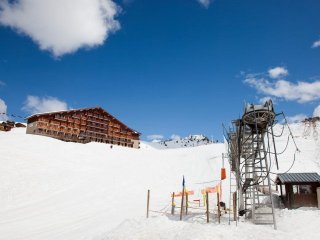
x=207 y=206
x=148 y=202
x=219 y=211
x=182 y=197
x=172 y=204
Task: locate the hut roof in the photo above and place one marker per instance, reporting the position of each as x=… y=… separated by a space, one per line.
x=298 y=177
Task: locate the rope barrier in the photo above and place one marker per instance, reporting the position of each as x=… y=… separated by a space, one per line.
x=208 y=181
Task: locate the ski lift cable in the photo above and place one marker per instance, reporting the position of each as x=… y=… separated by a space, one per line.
x=12 y=115
x=297 y=149
x=288 y=139
x=293 y=162
x=280 y=134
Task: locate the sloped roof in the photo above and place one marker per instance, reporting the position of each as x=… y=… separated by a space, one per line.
x=65 y=111
x=83 y=109
x=298 y=177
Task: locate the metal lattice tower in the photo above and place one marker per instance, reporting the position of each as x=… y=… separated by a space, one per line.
x=248 y=156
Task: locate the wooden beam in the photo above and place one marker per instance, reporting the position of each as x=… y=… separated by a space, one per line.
x=207 y=206
x=148 y=202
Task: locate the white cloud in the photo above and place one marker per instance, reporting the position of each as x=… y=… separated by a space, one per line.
x=155 y=137
x=296 y=118
x=205 y=3
x=300 y=91
x=265 y=99
x=301 y=117
x=175 y=137
x=2 y=83
x=316 y=112
x=34 y=104
x=61 y=26
x=278 y=72
x=3 y=111
x=316 y=44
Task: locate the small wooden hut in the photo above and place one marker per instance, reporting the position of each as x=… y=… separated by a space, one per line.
x=298 y=189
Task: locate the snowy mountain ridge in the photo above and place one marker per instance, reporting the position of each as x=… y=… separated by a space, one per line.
x=179 y=142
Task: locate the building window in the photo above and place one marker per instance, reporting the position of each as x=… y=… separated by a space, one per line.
x=305 y=189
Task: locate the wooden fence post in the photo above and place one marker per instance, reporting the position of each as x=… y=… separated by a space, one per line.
x=207 y=206
x=182 y=200
x=187 y=203
x=172 y=204
x=148 y=202
x=219 y=211
x=235 y=206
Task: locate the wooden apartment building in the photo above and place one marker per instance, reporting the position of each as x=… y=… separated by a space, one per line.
x=83 y=125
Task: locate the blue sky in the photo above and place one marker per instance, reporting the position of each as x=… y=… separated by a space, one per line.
x=162 y=67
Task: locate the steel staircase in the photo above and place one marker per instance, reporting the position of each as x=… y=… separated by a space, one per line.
x=256 y=188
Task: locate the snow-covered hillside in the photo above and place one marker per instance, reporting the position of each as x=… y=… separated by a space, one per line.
x=51 y=189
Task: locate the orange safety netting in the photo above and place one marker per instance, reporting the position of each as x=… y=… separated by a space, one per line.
x=215 y=189
x=179 y=194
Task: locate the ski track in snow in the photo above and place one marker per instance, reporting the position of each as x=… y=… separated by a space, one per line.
x=56 y=190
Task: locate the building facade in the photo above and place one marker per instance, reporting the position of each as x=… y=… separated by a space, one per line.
x=83 y=125
x=6 y=126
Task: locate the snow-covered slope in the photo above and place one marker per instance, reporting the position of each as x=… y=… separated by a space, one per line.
x=56 y=190
x=51 y=189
